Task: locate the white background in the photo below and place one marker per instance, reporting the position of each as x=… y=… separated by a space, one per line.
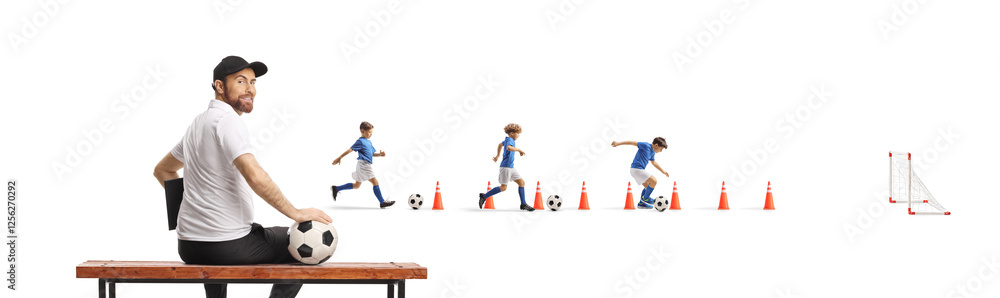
x=927 y=86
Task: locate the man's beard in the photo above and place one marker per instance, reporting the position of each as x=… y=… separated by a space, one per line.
x=237 y=104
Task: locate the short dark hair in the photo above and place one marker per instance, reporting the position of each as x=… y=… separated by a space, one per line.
x=366 y=126
x=660 y=141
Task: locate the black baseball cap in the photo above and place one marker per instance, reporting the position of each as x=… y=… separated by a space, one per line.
x=234 y=64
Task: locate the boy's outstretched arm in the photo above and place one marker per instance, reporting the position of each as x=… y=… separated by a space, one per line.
x=616 y=144
x=379 y=154
x=499 y=147
x=337 y=161
x=514 y=149
x=657 y=165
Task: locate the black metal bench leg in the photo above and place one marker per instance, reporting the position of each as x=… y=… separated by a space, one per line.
x=100 y=288
x=402 y=288
x=391 y=292
x=111 y=290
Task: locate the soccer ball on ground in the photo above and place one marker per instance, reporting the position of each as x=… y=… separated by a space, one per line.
x=416 y=201
x=661 y=203
x=312 y=242
x=554 y=202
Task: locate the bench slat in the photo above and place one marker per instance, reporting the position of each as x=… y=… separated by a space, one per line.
x=180 y=270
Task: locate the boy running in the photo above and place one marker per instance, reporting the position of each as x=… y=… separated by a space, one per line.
x=363 y=171
x=507 y=171
x=638 y=171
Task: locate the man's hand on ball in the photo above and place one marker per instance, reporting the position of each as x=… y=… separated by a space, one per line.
x=307 y=214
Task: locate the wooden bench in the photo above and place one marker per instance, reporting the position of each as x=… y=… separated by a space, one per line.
x=110 y=272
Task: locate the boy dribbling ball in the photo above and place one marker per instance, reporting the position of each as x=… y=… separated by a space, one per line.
x=644 y=156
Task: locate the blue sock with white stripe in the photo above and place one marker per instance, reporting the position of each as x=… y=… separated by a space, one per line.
x=345 y=187
x=378 y=194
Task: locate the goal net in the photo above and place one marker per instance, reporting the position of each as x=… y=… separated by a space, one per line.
x=906 y=187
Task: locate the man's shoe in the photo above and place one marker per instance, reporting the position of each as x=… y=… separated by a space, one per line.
x=482 y=200
x=386 y=204
x=334 y=190
x=527 y=208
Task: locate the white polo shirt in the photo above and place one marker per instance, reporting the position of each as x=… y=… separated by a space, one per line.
x=217 y=204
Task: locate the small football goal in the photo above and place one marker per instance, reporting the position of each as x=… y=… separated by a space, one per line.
x=906 y=187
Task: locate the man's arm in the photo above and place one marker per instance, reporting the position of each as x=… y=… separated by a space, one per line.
x=616 y=144
x=657 y=165
x=167 y=169
x=264 y=187
x=337 y=161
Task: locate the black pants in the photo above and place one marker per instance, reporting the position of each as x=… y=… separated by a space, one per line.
x=261 y=246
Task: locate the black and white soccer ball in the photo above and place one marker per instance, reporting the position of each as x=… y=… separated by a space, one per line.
x=554 y=202
x=312 y=242
x=661 y=203
x=416 y=201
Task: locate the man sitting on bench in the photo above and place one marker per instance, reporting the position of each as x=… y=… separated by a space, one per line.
x=215 y=223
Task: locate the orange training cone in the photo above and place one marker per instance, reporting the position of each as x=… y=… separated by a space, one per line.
x=489 y=200
x=584 y=202
x=769 y=201
x=538 y=196
x=723 y=199
x=629 y=204
x=438 y=204
x=675 y=200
